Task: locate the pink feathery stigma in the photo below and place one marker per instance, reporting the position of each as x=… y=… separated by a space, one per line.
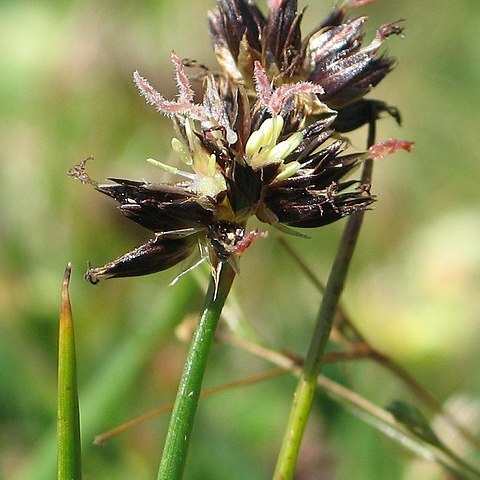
x=248 y=239
x=184 y=89
x=388 y=147
x=262 y=84
x=183 y=106
x=286 y=91
x=155 y=98
x=274 y=100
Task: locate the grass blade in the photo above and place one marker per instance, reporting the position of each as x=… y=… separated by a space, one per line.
x=68 y=415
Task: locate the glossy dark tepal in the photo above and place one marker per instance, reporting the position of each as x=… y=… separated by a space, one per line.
x=262 y=143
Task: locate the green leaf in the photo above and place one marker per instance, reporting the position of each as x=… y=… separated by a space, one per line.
x=68 y=417
x=109 y=385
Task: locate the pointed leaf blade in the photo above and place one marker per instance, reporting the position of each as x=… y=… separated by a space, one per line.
x=68 y=417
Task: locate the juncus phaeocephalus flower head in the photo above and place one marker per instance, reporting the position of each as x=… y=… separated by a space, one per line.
x=242 y=159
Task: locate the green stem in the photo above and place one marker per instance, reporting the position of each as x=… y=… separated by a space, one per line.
x=306 y=386
x=183 y=414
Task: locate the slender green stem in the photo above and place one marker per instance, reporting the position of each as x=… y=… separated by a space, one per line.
x=307 y=382
x=181 y=422
x=353 y=336
x=379 y=418
x=306 y=386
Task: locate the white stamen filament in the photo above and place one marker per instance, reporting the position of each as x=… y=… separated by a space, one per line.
x=168 y=168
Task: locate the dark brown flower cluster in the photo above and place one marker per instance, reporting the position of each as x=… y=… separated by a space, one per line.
x=331 y=56
x=263 y=142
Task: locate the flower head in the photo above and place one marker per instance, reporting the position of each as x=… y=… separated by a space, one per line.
x=246 y=159
x=333 y=56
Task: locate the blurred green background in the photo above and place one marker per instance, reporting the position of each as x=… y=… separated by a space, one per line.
x=66 y=92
